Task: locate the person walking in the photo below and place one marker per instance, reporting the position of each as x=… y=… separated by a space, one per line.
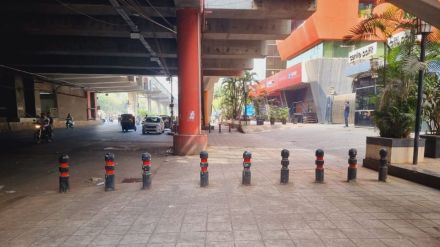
x=346 y=112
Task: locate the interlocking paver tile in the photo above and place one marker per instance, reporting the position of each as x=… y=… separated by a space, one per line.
x=275 y=235
x=137 y=238
x=279 y=243
x=106 y=240
x=175 y=211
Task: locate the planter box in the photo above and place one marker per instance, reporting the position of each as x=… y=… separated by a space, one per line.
x=400 y=150
x=432 y=145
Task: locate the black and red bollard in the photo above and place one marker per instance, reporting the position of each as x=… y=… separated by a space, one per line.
x=319 y=162
x=383 y=167
x=204 y=174
x=109 y=172
x=219 y=128
x=230 y=126
x=352 y=162
x=285 y=166
x=64 y=173
x=146 y=171
x=246 y=177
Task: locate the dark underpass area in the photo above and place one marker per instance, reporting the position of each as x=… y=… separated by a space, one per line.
x=27 y=168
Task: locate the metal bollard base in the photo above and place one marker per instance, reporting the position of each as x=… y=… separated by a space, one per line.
x=284 y=176
x=351 y=174
x=204 y=179
x=319 y=176
x=64 y=184
x=383 y=174
x=109 y=182
x=146 y=181
x=246 y=177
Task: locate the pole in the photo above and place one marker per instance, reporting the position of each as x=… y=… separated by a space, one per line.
x=419 y=101
x=245 y=99
x=172 y=103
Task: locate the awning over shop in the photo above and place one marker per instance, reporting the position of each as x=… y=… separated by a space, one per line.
x=281 y=80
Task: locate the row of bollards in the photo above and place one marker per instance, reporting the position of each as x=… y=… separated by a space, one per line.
x=109 y=158
x=109 y=182
x=284 y=178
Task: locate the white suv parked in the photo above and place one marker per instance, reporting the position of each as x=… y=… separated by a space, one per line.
x=153 y=125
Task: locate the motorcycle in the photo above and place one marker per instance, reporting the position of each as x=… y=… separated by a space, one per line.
x=69 y=123
x=41 y=134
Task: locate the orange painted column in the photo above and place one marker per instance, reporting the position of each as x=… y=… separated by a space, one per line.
x=189 y=139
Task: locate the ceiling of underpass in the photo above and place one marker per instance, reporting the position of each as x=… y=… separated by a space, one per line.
x=138 y=37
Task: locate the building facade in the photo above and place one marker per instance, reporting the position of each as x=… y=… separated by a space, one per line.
x=317 y=79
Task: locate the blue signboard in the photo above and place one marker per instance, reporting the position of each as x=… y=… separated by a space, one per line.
x=250 y=110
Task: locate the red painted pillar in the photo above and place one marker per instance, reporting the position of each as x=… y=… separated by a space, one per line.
x=189 y=140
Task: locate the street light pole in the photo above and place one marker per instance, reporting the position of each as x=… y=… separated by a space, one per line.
x=245 y=100
x=424 y=29
x=171 y=104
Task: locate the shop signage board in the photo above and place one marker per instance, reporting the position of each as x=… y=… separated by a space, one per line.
x=398 y=38
x=365 y=52
x=281 y=80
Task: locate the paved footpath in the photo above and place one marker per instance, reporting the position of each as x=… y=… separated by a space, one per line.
x=177 y=212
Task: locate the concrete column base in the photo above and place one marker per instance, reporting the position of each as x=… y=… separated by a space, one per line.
x=190 y=144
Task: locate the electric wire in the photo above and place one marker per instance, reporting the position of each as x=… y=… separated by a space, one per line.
x=138 y=9
x=162 y=60
x=42 y=76
x=157 y=11
x=89 y=16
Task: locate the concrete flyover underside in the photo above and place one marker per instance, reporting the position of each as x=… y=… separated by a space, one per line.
x=104 y=45
x=138 y=37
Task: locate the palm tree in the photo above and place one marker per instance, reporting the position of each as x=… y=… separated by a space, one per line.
x=394 y=115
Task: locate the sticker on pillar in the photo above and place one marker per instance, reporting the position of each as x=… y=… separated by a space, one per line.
x=192 y=116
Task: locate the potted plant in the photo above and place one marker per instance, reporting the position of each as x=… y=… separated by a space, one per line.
x=395 y=109
x=259 y=102
x=273 y=116
x=283 y=114
x=431 y=114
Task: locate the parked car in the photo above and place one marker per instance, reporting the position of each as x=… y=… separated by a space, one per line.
x=128 y=122
x=153 y=124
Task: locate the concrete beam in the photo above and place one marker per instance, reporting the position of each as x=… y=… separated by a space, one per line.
x=87 y=80
x=264 y=9
x=227 y=64
x=89 y=9
x=85 y=62
x=110 y=85
x=223 y=72
x=69 y=25
x=84 y=46
x=247 y=29
x=427 y=10
x=233 y=49
x=80 y=77
x=115 y=70
x=188 y=4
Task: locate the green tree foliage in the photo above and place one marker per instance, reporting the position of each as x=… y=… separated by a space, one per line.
x=113 y=103
x=431 y=103
x=233 y=92
x=395 y=109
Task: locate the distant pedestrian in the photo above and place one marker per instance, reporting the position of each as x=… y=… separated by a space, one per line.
x=346 y=112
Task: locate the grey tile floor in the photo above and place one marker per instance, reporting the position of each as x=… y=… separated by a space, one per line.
x=177 y=212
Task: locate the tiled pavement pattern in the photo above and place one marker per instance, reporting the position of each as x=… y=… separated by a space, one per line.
x=177 y=212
